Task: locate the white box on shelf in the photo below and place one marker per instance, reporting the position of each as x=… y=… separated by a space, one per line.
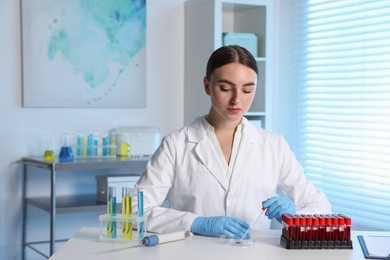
x=142 y=141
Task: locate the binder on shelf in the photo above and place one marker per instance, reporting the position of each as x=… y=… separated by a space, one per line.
x=246 y=40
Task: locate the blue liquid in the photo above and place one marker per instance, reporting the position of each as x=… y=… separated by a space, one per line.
x=112 y=212
x=140 y=204
x=79 y=144
x=66 y=154
x=141 y=230
x=141 y=224
x=89 y=145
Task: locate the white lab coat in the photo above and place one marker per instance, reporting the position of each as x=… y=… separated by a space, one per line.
x=186 y=170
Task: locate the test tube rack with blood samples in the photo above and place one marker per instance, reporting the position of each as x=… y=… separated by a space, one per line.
x=316 y=231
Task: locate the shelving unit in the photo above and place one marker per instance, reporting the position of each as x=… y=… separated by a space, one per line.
x=205 y=23
x=54 y=204
x=66 y=204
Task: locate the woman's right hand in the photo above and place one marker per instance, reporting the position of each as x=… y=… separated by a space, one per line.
x=221 y=225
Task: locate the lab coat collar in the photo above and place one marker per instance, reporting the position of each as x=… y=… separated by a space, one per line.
x=197 y=133
x=196 y=130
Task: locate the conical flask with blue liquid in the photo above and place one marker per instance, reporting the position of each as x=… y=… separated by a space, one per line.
x=66 y=153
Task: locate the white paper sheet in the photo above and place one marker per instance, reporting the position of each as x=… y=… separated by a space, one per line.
x=377 y=245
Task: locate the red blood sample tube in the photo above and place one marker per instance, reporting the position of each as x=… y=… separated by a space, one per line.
x=341 y=228
x=315 y=229
x=328 y=228
x=335 y=227
x=287 y=230
x=296 y=227
x=321 y=227
x=348 y=223
x=302 y=228
x=309 y=227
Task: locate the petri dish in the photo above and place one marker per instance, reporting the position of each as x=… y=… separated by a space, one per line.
x=226 y=240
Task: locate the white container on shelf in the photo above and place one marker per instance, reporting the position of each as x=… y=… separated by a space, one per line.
x=136 y=142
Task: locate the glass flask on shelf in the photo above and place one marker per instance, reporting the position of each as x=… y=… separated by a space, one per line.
x=48 y=155
x=66 y=153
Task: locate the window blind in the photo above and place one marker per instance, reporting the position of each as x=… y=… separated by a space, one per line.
x=344 y=126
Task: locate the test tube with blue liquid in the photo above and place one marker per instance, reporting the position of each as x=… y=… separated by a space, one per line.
x=140 y=215
x=111 y=210
x=89 y=144
x=95 y=143
x=106 y=144
x=79 y=143
x=127 y=226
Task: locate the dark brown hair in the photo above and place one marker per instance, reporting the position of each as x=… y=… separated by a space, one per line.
x=229 y=54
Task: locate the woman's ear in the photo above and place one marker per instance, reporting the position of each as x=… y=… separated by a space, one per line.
x=206 y=85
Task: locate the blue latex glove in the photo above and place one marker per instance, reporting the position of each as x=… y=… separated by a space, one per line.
x=217 y=226
x=277 y=206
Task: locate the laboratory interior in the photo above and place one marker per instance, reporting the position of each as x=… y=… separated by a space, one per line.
x=90 y=89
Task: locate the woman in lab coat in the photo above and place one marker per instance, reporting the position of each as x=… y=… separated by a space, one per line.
x=218 y=172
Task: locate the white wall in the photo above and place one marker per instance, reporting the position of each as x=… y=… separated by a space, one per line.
x=284 y=92
x=23 y=131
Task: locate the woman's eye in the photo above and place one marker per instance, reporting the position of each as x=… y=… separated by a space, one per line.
x=247 y=90
x=224 y=88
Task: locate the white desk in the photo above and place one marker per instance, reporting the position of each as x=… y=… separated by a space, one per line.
x=85 y=245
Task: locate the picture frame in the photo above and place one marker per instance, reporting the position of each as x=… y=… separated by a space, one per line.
x=89 y=53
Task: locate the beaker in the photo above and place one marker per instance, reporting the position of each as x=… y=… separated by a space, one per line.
x=66 y=153
x=48 y=155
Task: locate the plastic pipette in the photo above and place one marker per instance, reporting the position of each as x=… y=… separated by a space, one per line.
x=154 y=240
x=253 y=223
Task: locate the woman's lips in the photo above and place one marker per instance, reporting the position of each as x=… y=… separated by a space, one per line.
x=235 y=110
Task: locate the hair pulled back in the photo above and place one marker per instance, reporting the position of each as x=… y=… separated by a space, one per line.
x=230 y=54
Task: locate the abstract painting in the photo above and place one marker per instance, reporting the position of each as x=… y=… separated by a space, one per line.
x=84 y=53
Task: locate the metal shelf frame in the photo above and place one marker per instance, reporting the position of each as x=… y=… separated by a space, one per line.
x=54 y=204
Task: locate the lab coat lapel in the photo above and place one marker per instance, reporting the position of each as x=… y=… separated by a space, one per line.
x=248 y=141
x=206 y=153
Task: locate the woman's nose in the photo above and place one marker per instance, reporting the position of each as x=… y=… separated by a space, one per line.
x=235 y=97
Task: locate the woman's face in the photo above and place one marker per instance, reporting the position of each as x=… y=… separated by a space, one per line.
x=232 y=88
